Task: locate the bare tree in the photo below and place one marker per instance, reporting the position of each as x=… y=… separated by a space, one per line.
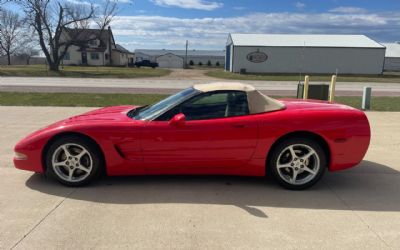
x=11 y=32
x=27 y=50
x=53 y=19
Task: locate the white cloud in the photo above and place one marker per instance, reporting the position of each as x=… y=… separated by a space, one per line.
x=299 y=5
x=77 y=2
x=189 y=4
x=123 y=1
x=88 y=3
x=211 y=33
x=348 y=10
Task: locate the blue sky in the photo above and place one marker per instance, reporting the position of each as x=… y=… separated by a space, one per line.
x=207 y=23
x=224 y=8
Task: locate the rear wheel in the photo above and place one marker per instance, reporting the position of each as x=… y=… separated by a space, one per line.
x=297 y=163
x=73 y=161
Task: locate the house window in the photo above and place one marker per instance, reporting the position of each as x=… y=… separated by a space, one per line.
x=93 y=42
x=67 y=56
x=94 y=56
x=106 y=56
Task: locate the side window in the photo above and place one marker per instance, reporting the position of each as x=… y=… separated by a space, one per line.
x=237 y=104
x=212 y=105
x=169 y=114
x=94 y=56
x=67 y=56
x=206 y=106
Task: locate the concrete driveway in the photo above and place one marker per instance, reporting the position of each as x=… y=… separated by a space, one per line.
x=354 y=209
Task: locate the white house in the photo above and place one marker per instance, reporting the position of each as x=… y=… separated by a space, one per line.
x=321 y=54
x=392 y=57
x=94 y=47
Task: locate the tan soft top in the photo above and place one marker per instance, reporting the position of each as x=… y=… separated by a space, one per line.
x=258 y=102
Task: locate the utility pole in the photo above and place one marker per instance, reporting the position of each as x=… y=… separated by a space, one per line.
x=186 y=52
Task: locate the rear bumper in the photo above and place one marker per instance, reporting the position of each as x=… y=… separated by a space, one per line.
x=349 y=153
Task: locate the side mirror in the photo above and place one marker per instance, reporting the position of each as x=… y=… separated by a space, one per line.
x=178 y=120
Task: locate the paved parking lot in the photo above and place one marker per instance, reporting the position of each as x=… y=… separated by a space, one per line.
x=358 y=208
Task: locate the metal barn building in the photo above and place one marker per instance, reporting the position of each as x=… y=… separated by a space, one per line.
x=322 y=54
x=176 y=58
x=392 y=57
x=170 y=60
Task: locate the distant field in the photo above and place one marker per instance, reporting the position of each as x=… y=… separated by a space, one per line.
x=80 y=71
x=100 y=100
x=387 y=77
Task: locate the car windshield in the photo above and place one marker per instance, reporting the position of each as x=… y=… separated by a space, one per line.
x=153 y=111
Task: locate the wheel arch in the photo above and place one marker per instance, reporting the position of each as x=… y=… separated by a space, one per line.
x=66 y=134
x=302 y=134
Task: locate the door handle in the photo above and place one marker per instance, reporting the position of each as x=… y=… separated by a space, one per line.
x=238 y=125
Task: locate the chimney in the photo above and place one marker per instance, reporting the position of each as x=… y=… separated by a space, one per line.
x=109 y=45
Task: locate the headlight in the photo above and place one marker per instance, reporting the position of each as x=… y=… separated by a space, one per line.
x=20 y=156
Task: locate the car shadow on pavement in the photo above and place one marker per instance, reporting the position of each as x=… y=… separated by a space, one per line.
x=368 y=187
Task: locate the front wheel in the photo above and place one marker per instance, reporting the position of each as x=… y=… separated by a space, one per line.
x=73 y=161
x=297 y=163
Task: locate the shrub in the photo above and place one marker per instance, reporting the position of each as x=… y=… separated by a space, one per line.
x=200 y=63
x=191 y=63
x=217 y=64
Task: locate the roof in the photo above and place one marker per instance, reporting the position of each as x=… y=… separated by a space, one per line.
x=83 y=35
x=258 y=102
x=160 y=52
x=288 y=40
x=392 y=49
x=121 y=49
x=170 y=54
x=88 y=49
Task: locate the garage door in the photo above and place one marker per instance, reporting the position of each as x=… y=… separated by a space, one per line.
x=170 y=61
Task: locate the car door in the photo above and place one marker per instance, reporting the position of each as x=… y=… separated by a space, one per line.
x=216 y=135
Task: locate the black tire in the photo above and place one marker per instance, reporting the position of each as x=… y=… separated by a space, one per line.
x=92 y=156
x=281 y=148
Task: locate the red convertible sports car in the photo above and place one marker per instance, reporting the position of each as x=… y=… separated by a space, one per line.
x=208 y=129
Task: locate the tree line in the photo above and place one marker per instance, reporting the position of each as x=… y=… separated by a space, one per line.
x=52 y=26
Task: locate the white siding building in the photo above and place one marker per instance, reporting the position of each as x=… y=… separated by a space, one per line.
x=176 y=58
x=392 y=57
x=170 y=61
x=321 y=54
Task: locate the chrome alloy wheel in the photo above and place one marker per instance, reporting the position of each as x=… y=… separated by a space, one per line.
x=298 y=164
x=72 y=162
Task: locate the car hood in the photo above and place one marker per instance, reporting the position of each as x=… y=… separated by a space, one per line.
x=106 y=114
x=300 y=104
x=113 y=113
x=95 y=117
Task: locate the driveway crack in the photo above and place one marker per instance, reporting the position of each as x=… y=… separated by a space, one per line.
x=41 y=220
x=360 y=217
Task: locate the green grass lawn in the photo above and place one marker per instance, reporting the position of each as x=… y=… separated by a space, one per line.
x=81 y=71
x=387 y=77
x=100 y=100
x=76 y=99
